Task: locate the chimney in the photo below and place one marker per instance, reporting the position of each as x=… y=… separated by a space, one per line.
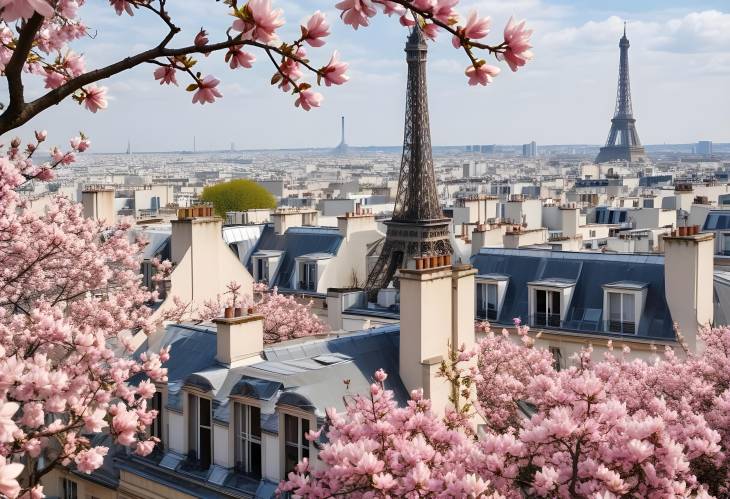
x=98 y=204
x=570 y=220
x=239 y=338
x=203 y=262
x=436 y=310
x=283 y=219
x=688 y=282
x=360 y=221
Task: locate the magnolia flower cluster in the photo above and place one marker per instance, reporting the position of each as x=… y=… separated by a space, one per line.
x=433 y=16
x=285 y=318
x=36 y=37
x=599 y=429
x=70 y=297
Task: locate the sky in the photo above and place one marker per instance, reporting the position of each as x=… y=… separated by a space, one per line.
x=679 y=63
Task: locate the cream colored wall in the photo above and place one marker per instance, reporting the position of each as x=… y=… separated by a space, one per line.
x=222 y=445
x=203 y=263
x=425 y=321
x=524 y=238
x=270 y=450
x=352 y=256
x=176 y=431
x=99 y=205
x=489 y=238
x=688 y=283
x=85 y=488
x=137 y=487
x=570 y=221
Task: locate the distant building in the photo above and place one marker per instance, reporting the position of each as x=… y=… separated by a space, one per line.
x=468 y=148
x=704 y=147
x=529 y=150
x=488 y=149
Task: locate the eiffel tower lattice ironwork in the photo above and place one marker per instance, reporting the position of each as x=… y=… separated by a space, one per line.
x=623 y=142
x=418 y=226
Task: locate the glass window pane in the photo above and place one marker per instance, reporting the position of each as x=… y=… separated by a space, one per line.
x=255 y=460
x=492 y=296
x=204 y=412
x=554 y=302
x=291 y=457
x=541 y=299
x=629 y=308
x=481 y=296
x=205 y=447
x=290 y=429
x=305 y=429
x=614 y=306
x=255 y=421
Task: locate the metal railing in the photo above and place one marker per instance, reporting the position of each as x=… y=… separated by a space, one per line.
x=622 y=327
x=546 y=320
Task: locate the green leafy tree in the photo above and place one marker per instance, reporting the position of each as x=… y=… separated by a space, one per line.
x=238 y=195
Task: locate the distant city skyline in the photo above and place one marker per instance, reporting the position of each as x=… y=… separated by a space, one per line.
x=680 y=65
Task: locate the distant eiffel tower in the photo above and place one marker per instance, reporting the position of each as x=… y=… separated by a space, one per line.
x=623 y=142
x=418 y=226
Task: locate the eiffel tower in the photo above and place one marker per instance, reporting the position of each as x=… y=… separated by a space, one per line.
x=418 y=226
x=623 y=142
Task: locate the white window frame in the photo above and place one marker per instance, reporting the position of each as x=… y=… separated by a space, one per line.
x=263 y=262
x=301 y=447
x=69 y=488
x=565 y=290
x=194 y=421
x=639 y=301
x=500 y=283
x=303 y=274
x=243 y=438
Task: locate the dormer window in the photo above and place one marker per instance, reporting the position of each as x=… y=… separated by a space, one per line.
x=200 y=431
x=296 y=446
x=265 y=263
x=308 y=276
x=623 y=303
x=261 y=269
x=248 y=439
x=490 y=293
x=549 y=300
x=309 y=271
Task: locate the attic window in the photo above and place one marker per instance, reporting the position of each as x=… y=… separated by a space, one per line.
x=623 y=305
x=490 y=292
x=549 y=300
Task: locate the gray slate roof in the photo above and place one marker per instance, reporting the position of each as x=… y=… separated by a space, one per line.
x=295 y=242
x=590 y=271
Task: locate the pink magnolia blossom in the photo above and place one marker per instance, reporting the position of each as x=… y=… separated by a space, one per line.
x=54 y=79
x=481 y=74
x=474 y=29
x=61 y=357
x=316 y=29
x=284 y=317
x=166 y=75
x=95 y=98
x=9 y=473
x=307 y=99
x=238 y=58
x=121 y=6
x=13 y=10
x=207 y=91
x=334 y=71
x=201 y=39
x=259 y=21
x=517 y=37
x=356 y=13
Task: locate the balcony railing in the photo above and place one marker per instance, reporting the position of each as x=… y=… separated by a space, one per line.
x=307 y=286
x=622 y=327
x=489 y=314
x=546 y=320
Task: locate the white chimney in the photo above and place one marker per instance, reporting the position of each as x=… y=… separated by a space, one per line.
x=570 y=220
x=98 y=204
x=239 y=338
x=436 y=311
x=351 y=223
x=688 y=282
